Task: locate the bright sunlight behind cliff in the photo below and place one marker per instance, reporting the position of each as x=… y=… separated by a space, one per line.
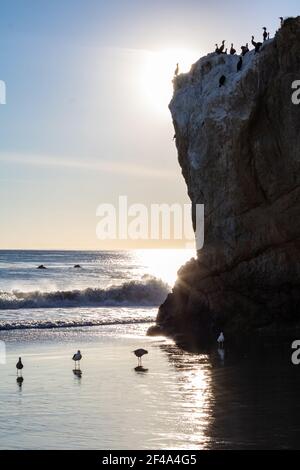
x=158 y=72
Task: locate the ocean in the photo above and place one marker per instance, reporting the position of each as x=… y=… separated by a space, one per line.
x=109 y=287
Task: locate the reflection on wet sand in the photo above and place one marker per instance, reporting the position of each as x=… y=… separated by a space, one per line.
x=20 y=381
x=239 y=399
x=195 y=388
x=141 y=369
x=77 y=373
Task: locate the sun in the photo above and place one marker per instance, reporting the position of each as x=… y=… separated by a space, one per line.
x=158 y=71
x=163 y=263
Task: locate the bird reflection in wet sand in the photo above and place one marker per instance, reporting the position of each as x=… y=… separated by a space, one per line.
x=77 y=358
x=20 y=381
x=221 y=353
x=141 y=369
x=77 y=373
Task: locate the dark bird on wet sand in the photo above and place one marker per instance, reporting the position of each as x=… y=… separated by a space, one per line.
x=139 y=354
x=19 y=365
x=77 y=358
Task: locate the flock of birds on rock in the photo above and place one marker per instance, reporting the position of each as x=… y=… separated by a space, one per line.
x=244 y=50
x=139 y=353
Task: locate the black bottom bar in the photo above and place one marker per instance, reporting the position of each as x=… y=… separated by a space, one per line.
x=136 y=459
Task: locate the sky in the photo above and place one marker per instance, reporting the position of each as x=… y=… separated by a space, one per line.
x=86 y=117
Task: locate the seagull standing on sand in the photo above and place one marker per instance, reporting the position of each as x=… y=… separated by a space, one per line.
x=77 y=358
x=221 y=339
x=19 y=366
x=139 y=354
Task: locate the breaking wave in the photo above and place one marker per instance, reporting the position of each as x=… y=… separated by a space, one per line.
x=49 y=324
x=149 y=292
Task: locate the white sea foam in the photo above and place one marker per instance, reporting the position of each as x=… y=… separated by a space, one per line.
x=150 y=291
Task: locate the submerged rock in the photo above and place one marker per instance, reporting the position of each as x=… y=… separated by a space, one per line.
x=239 y=150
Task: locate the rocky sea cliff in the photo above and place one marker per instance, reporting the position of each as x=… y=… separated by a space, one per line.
x=239 y=149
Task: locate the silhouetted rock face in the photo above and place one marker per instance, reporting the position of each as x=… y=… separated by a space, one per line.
x=239 y=149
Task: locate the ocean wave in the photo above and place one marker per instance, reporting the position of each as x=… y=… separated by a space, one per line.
x=150 y=291
x=49 y=324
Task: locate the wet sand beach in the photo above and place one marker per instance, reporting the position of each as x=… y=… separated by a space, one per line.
x=180 y=401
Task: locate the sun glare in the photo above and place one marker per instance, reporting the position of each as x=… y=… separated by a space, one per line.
x=158 y=73
x=163 y=264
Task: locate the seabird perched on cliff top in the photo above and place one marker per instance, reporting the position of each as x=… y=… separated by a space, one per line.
x=19 y=366
x=217 y=50
x=239 y=64
x=77 y=358
x=222 y=47
x=281 y=20
x=176 y=72
x=232 y=50
x=257 y=45
x=222 y=81
x=221 y=339
x=139 y=354
x=265 y=34
x=245 y=49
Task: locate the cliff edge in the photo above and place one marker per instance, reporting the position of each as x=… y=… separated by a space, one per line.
x=239 y=150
